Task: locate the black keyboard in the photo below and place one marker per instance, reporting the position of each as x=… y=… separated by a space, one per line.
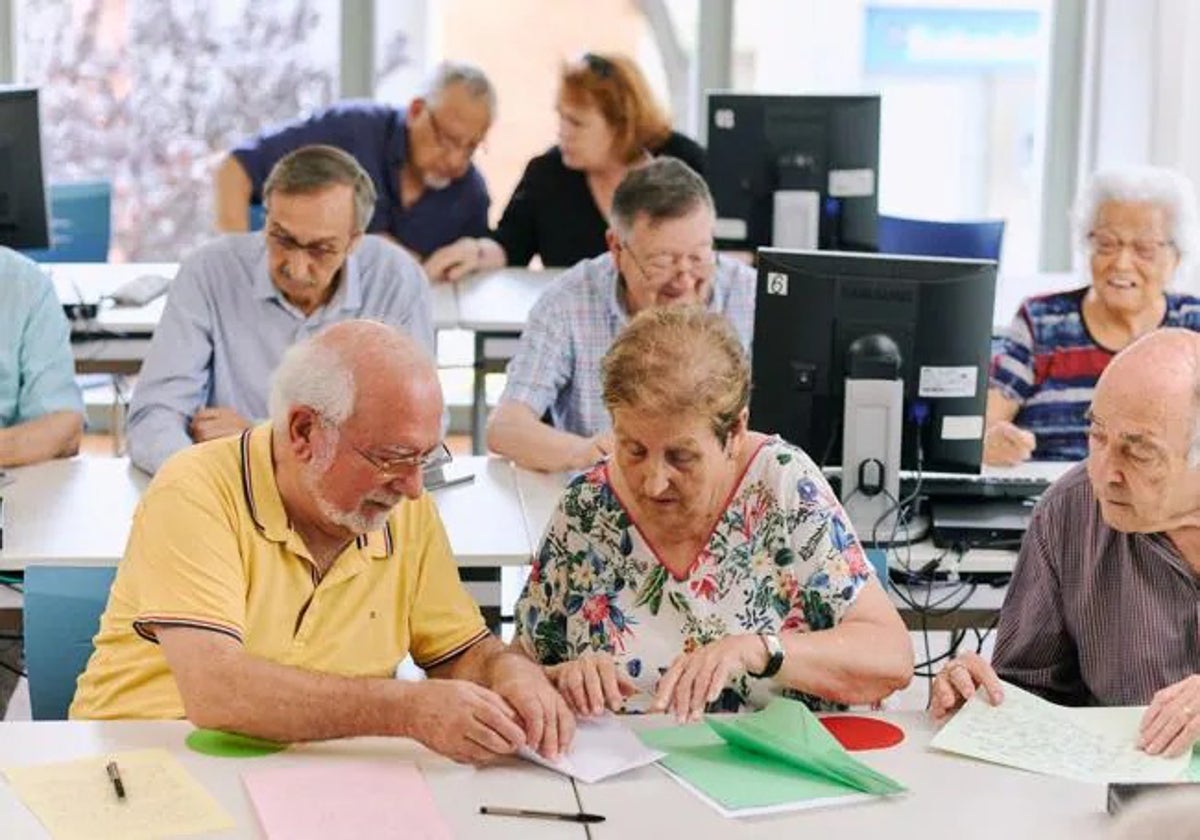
x=941 y=485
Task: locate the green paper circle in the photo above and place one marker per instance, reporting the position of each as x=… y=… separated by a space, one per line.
x=230 y=745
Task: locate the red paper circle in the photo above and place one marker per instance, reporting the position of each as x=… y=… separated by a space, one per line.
x=862 y=733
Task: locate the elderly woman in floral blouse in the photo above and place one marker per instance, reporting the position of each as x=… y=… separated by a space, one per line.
x=705 y=565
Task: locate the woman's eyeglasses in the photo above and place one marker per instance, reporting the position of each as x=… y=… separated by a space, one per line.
x=599 y=65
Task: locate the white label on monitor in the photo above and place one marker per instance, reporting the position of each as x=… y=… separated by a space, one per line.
x=777 y=283
x=723 y=118
x=796 y=219
x=962 y=427
x=851 y=183
x=946 y=382
x=727 y=228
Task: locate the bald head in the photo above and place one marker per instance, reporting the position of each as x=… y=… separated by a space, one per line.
x=1163 y=365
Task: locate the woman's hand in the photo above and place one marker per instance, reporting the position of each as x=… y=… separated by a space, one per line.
x=1006 y=445
x=591 y=683
x=696 y=679
x=956 y=684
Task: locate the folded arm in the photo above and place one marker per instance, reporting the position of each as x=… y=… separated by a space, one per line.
x=54 y=435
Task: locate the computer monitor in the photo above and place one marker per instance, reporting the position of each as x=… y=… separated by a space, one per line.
x=812 y=305
x=794 y=171
x=23 y=214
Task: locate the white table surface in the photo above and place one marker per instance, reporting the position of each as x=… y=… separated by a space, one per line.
x=458 y=790
x=499 y=301
x=89 y=282
x=949 y=797
x=484 y=519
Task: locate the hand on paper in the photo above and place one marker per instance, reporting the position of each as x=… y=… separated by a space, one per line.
x=591 y=683
x=957 y=682
x=696 y=679
x=544 y=714
x=1171 y=726
x=463 y=721
x=454 y=261
x=216 y=422
x=1006 y=445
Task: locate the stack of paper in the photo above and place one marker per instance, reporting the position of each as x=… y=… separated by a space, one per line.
x=1025 y=731
x=602 y=747
x=779 y=759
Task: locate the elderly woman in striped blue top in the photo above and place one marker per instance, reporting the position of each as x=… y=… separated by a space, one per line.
x=1138 y=227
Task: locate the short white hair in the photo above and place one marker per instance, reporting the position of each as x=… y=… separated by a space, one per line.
x=312 y=374
x=1165 y=188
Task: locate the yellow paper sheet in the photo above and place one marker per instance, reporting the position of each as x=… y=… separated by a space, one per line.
x=76 y=799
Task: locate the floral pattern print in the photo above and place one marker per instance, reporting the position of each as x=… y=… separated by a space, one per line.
x=782 y=558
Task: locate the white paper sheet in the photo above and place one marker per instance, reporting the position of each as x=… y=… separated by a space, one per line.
x=602 y=747
x=1029 y=733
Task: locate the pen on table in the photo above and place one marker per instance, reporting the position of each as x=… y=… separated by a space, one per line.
x=114 y=776
x=577 y=816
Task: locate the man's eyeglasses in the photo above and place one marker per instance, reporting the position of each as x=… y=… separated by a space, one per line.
x=1146 y=250
x=663 y=267
x=448 y=144
x=321 y=252
x=402 y=464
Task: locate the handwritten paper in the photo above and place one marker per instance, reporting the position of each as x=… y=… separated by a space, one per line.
x=1027 y=732
x=76 y=799
x=603 y=747
x=351 y=800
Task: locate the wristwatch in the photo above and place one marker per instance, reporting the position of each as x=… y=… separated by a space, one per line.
x=774 y=655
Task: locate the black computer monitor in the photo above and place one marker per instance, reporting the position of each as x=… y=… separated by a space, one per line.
x=824 y=146
x=23 y=216
x=812 y=305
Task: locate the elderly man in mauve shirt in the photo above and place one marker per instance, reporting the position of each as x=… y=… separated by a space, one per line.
x=1104 y=604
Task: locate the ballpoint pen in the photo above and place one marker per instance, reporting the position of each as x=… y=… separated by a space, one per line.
x=114 y=776
x=564 y=816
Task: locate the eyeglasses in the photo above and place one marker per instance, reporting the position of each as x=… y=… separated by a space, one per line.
x=1146 y=250
x=664 y=267
x=396 y=465
x=448 y=144
x=599 y=65
x=317 y=253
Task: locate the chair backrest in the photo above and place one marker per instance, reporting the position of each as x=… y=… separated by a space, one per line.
x=258 y=216
x=80 y=223
x=63 y=605
x=918 y=237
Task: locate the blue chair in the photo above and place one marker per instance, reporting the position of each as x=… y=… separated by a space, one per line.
x=918 y=237
x=63 y=605
x=80 y=223
x=258 y=216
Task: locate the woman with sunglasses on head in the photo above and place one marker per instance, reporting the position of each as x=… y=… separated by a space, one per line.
x=609 y=123
x=1138 y=226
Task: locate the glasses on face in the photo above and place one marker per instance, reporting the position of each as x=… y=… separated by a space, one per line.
x=321 y=252
x=1146 y=250
x=663 y=266
x=391 y=466
x=451 y=145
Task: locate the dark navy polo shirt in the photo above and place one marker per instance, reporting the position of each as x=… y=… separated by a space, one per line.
x=375 y=135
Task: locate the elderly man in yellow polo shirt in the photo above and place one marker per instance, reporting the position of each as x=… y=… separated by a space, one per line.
x=273 y=580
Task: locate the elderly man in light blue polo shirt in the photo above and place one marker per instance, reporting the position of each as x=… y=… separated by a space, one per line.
x=660 y=253
x=240 y=301
x=41 y=411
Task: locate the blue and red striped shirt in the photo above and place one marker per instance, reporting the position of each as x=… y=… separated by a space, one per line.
x=1049 y=362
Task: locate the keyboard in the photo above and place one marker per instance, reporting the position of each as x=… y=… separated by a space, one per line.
x=1021 y=482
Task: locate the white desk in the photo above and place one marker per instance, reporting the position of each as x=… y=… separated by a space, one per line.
x=949 y=797
x=458 y=790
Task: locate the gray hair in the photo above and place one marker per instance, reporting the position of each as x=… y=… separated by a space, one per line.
x=1165 y=188
x=312 y=168
x=664 y=188
x=312 y=374
x=473 y=80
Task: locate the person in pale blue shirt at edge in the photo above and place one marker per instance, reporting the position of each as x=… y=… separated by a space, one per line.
x=41 y=410
x=660 y=252
x=240 y=301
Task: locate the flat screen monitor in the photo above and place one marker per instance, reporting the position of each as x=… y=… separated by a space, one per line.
x=813 y=305
x=23 y=216
x=794 y=171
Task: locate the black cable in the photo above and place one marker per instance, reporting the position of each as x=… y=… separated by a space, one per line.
x=17 y=671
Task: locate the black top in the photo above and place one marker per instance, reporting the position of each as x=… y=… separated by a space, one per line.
x=552 y=212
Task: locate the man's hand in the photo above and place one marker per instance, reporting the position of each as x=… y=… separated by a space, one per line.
x=216 y=422
x=1006 y=445
x=463 y=721
x=1171 y=726
x=454 y=261
x=956 y=683
x=548 y=723
x=696 y=679
x=591 y=683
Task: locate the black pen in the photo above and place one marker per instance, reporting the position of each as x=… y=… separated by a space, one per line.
x=577 y=817
x=114 y=776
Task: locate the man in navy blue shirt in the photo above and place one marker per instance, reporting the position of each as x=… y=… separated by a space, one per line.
x=427 y=192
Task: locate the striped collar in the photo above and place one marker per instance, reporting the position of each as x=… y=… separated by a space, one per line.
x=266 y=508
